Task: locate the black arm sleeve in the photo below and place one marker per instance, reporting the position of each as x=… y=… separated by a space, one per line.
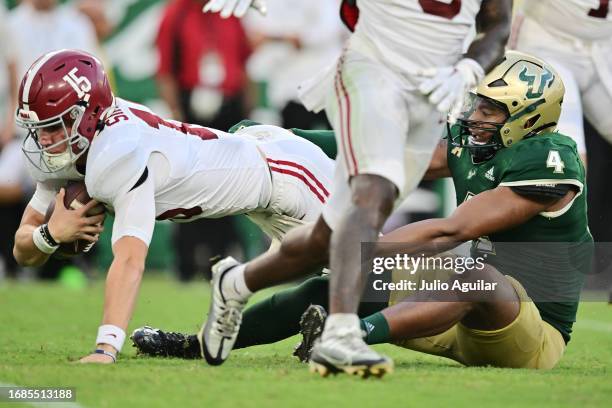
x=544 y=192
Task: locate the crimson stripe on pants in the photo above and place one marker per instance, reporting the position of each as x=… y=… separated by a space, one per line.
x=347 y=134
x=305 y=170
x=301 y=177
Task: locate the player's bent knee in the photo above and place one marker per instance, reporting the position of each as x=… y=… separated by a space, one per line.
x=492 y=300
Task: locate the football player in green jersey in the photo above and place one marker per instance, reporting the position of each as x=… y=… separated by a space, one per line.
x=521 y=201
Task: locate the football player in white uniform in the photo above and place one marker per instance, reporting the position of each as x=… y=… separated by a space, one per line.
x=403 y=69
x=575 y=36
x=143 y=168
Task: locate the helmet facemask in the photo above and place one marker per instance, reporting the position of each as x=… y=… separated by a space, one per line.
x=477 y=131
x=41 y=156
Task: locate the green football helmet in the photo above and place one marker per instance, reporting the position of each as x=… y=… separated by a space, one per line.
x=527 y=89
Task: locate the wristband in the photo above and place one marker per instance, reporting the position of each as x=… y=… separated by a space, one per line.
x=43 y=240
x=111 y=335
x=106 y=353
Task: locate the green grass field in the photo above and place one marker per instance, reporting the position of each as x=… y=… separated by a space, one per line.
x=45 y=328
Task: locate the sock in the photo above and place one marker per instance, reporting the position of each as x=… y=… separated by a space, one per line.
x=341 y=323
x=234 y=285
x=376 y=328
x=278 y=317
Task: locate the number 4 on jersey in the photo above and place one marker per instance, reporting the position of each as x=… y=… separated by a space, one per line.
x=554 y=161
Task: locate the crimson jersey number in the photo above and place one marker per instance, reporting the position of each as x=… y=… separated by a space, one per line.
x=602 y=11
x=442 y=9
x=155 y=122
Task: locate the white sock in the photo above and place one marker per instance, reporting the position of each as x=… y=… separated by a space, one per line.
x=340 y=323
x=234 y=285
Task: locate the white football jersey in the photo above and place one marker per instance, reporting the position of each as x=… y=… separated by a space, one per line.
x=197 y=172
x=207 y=172
x=408 y=35
x=589 y=20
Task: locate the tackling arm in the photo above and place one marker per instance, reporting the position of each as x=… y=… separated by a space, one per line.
x=488 y=212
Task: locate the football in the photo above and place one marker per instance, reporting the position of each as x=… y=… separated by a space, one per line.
x=76 y=196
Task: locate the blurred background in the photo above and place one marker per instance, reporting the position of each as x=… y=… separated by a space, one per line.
x=201 y=69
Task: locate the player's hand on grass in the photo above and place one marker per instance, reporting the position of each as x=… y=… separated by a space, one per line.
x=236 y=8
x=447 y=86
x=97 y=359
x=105 y=354
x=69 y=225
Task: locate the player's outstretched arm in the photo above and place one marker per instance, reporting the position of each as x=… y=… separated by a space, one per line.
x=35 y=241
x=488 y=212
x=122 y=285
x=133 y=226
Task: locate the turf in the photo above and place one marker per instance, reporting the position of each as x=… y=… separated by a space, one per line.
x=45 y=328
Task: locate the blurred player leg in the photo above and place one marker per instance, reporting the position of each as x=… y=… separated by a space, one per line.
x=380 y=158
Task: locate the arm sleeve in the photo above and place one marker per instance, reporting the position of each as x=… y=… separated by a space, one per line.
x=135 y=212
x=544 y=191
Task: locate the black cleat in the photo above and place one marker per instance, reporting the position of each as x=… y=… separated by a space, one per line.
x=157 y=343
x=311 y=327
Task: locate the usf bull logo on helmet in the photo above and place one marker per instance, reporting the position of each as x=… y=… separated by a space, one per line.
x=527 y=89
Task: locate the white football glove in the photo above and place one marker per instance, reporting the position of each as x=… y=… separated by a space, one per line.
x=447 y=86
x=237 y=8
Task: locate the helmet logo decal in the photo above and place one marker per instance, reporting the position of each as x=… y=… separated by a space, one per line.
x=545 y=78
x=80 y=84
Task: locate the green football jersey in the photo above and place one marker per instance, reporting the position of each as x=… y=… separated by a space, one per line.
x=550 y=253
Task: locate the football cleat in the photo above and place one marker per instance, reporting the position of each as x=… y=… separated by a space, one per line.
x=158 y=343
x=311 y=327
x=345 y=351
x=219 y=333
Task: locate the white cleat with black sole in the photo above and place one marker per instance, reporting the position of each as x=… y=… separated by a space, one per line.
x=219 y=333
x=347 y=352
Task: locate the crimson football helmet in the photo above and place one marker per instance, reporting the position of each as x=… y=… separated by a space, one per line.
x=65 y=89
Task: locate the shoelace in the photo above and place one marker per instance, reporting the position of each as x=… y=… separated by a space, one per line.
x=228 y=322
